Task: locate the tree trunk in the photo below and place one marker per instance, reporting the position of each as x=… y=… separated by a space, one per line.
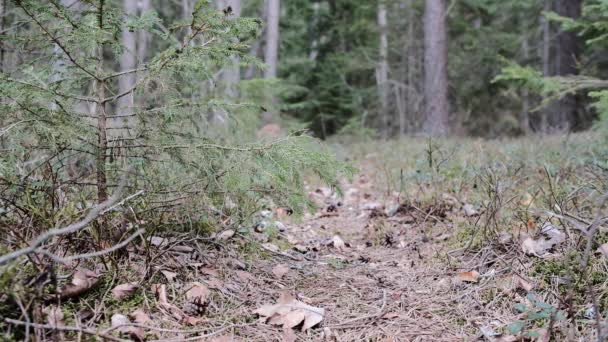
x=231 y=75
x=568 y=49
x=143 y=39
x=271 y=50
x=2 y=20
x=382 y=69
x=546 y=61
x=314 y=44
x=121 y=125
x=524 y=117
x=435 y=68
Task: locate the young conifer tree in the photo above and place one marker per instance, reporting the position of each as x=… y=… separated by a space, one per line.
x=64 y=113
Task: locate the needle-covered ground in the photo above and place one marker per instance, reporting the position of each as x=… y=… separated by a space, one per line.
x=429 y=241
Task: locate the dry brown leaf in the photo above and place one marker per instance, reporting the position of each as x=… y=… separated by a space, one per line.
x=338 y=243
x=469 y=210
x=289 y=335
x=210 y=271
x=539 y=247
x=140 y=316
x=522 y=283
x=225 y=235
x=169 y=275
x=223 y=338
x=469 y=277
x=280 y=270
x=526 y=200
x=197 y=292
x=271 y=247
x=289 y=312
x=603 y=249
x=124 y=290
x=120 y=323
x=82 y=281
x=245 y=276
x=54 y=316
x=193 y=321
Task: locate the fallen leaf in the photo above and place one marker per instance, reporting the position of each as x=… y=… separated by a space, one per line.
x=197 y=292
x=245 y=276
x=289 y=335
x=158 y=241
x=603 y=249
x=270 y=247
x=193 y=321
x=280 y=271
x=290 y=312
x=169 y=275
x=223 y=338
x=526 y=200
x=469 y=277
x=522 y=283
x=82 y=281
x=118 y=320
x=124 y=290
x=539 y=247
x=338 y=243
x=140 y=316
x=210 y=271
x=121 y=324
x=225 y=235
x=54 y=316
x=469 y=210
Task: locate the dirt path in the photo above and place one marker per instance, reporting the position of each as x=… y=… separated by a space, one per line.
x=374 y=266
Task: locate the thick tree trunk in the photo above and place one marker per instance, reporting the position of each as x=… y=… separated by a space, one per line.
x=382 y=69
x=568 y=49
x=435 y=68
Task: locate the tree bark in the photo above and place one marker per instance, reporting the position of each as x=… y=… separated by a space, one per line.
x=231 y=75
x=568 y=50
x=314 y=44
x=143 y=39
x=546 y=61
x=524 y=116
x=2 y=21
x=435 y=68
x=271 y=50
x=382 y=69
x=121 y=125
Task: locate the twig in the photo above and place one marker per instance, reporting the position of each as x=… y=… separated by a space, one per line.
x=72 y=228
x=65 y=328
x=66 y=260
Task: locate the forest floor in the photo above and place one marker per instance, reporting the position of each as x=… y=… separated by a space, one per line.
x=426 y=243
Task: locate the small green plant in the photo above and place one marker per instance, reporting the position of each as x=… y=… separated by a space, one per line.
x=536 y=313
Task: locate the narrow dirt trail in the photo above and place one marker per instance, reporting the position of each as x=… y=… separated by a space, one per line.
x=366 y=267
x=375 y=266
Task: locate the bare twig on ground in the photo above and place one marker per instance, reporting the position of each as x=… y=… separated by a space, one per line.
x=64 y=328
